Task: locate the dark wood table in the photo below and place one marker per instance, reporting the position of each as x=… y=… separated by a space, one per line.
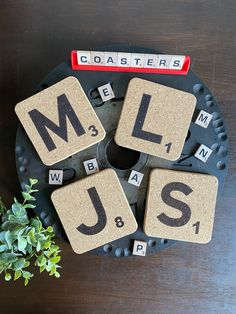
x=37 y=35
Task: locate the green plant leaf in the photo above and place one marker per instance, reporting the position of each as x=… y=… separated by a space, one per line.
x=42 y=268
x=31 y=236
x=3 y=247
x=17 y=275
x=36 y=223
x=49 y=229
x=10 y=238
x=22 y=243
x=29 y=206
x=57 y=275
x=41 y=260
x=2 y=236
x=19 y=264
x=7 y=277
x=38 y=247
x=29 y=248
x=27 y=275
x=55 y=259
x=54 y=248
x=33 y=181
x=47 y=244
x=18 y=210
x=7 y=258
x=26 y=264
x=26 y=196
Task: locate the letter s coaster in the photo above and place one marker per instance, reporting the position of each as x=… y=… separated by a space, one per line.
x=94 y=211
x=180 y=205
x=155 y=119
x=60 y=121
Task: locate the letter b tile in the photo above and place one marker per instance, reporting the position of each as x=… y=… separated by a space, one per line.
x=60 y=121
x=155 y=119
x=180 y=205
x=94 y=211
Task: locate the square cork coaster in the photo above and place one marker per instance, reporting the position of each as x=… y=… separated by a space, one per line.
x=60 y=121
x=94 y=211
x=180 y=205
x=155 y=119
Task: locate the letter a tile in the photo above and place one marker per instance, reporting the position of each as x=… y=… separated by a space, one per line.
x=155 y=119
x=180 y=205
x=94 y=211
x=60 y=121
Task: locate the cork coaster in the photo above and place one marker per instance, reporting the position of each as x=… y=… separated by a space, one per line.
x=155 y=119
x=180 y=205
x=94 y=211
x=60 y=121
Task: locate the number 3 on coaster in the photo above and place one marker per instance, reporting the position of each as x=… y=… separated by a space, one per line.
x=94 y=211
x=180 y=205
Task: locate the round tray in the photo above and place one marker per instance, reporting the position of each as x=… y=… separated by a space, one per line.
x=110 y=155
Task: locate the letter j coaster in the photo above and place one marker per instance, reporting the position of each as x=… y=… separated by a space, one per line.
x=60 y=121
x=94 y=211
x=180 y=205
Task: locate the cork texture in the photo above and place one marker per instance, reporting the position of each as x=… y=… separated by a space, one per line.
x=60 y=121
x=94 y=211
x=180 y=205
x=155 y=119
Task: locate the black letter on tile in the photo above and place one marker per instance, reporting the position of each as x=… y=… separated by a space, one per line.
x=42 y=123
x=169 y=200
x=137 y=130
x=102 y=218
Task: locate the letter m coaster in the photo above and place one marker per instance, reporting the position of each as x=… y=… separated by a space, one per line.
x=60 y=121
x=155 y=119
x=180 y=205
x=94 y=211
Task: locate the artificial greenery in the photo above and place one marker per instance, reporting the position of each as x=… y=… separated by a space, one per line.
x=23 y=238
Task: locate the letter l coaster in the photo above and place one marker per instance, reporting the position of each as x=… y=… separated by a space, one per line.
x=180 y=205
x=94 y=211
x=155 y=119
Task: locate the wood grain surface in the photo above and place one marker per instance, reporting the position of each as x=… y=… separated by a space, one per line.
x=37 y=35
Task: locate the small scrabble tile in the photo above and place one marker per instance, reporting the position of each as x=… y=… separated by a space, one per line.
x=203 y=119
x=55 y=177
x=111 y=58
x=91 y=166
x=84 y=57
x=124 y=59
x=203 y=153
x=180 y=205
x=176 y=62
x=106 y=92
x=135 y=178
x=155 y=119
x=150 y=61
x=94 y=211
x=139 y=248
x=60 y=121
x=97 y=57
x=137 y=60
x=164 y=61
